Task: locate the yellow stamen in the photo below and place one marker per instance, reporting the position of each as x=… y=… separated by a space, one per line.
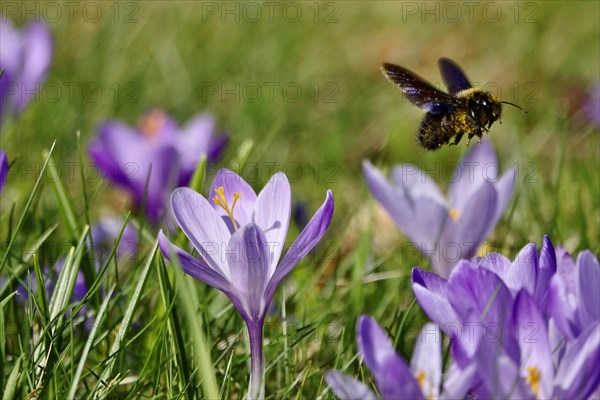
x=152 y=122
x=421 y=379
x=220 y=200
x=533 y=379
x=454 y=214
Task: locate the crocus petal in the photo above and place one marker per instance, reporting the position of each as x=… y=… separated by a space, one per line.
x=37 y=56
x=192 y=265
x=248 y=260
x=120 y=152
x=461 y=239
x=427 y=360
x=272 y=214
x=546 y=269
x=421 y=218
x=536 y=353
x=217 y=146
x=561 y=306
x=517 y=275
x=160 y=174
x=577 y=375
x=458 y=381
x=308 y=238
x=501 y=376
x=394 y=379
x=347 y=388
x=479 y=165
x=482 y=296
x=203 y=227
x=193 y=141
x=589 y=279
x=233 y=183
x=504 y=189
x=3 y=169
x=416 y=182
x=11 y=46
x=431 y=292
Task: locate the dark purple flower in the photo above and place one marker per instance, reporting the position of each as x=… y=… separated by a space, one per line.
x=446 y=229
x=3 y=169
x=25 y=56
x=157 y=154
x=394 y=378
x=240 y=237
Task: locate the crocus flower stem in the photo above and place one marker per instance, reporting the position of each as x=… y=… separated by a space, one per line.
x=256 y=390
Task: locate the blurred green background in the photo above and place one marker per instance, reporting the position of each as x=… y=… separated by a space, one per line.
x=302 y=82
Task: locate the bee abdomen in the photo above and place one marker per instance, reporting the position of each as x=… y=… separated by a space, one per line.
x=433 y=133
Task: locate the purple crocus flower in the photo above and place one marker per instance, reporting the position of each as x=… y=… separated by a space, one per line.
x=240 y=237
x=592 y=105
x=446 y=229
x=394 y=378
x=3 y=169
x=25 y=56
x=500 y=316
x=157 y=147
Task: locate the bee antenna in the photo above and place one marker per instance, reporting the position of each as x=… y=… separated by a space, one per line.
x=514 y=105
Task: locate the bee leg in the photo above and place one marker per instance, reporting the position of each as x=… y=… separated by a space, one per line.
x=456 y=139
x=469 y=139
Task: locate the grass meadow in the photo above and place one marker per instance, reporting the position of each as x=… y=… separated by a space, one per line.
x=297 y=88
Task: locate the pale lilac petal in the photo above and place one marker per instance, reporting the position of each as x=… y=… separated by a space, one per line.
x=504 y=188
x=502 y=376
x=519 y=274
x=347 y=388
x=479 y=165
x=589 y=282
x=577 y=375
x=194 y=140
x=427 y=360
x=248 y=260
x=420 y=218
x=394 y=378
x=203 y=227
x=193 y=266
x=11 y=47
x=458 y=381
x=561 y=306
x=431 y=292
x=416 y=183
x=533 y=342
x=162 y=170
x=233 y=183
x=3 y=169
x=272 y=214
x=461 y=239
x=37 y=56
x=308 y=238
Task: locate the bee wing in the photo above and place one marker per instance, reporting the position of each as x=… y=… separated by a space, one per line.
x=453 y=75
x=417 y=90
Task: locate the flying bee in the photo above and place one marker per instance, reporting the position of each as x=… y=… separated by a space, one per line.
x=465 y=110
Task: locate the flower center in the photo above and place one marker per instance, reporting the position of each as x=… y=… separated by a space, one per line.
x=420 y=378
x=220 y=200
x=454 y=214
x=533 y=379
x=152 y=122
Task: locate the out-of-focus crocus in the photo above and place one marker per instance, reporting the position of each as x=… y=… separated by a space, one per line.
x=240 y=237
x=592 y=105
x=25 y=56
x=446 y=229
x=394 y=378
x=156 y=157
x=3 y=169
x=105 y=232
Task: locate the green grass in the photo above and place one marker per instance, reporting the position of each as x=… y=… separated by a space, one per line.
x=146 y=342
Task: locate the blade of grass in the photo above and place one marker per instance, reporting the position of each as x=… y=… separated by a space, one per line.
x=103 y=386
x=26 y=209
x=62 y=200
x=88 y=344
